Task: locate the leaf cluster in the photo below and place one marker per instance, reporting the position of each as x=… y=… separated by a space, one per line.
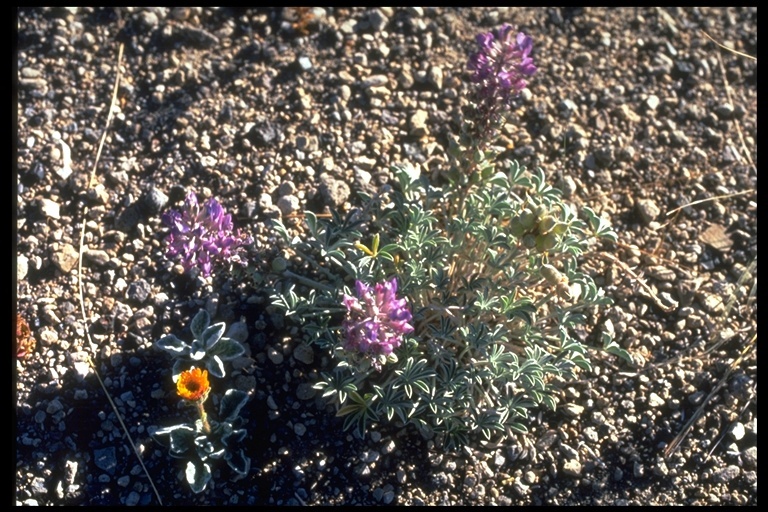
x=489 y=264
x=209 y=347
x=190 y=441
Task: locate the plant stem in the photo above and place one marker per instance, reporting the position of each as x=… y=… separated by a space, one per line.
x=309 y=282
x=203 y=417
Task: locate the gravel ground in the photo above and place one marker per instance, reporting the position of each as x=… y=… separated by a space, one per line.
x=634 y=111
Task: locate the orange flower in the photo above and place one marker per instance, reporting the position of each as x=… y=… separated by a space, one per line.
x=193 y=384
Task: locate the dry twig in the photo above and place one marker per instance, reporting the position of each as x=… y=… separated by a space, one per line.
x=110 y=114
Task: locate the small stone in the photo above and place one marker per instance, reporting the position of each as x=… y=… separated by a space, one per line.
x=138 y=291
x=435 y=77
x=648 y=210
x=572 y=467
x=749 y=456
x=389 y=447
x=727 y=474
x=299 y=429
x=573 y=410
x=652 y=102
x=365 y=163
x=105 y=458
x=155 y=200
x=568 y=186
x=377 y=19
x=655 y=400
x=661 y=273
x=288 y=204
x=418 y=123
x=238 y=331
x=50 y=208
x=334 y=192
x=305 y=64
x=375 y=81
x=70 y=472
x=274 y=356
x=724 y=111
x=305 y=391
x=54 y=406
x=304 y=353
x=22 y=267
x=713 y=304
x=737 y=431
x=65 y=258
x=97 y=256
x=133 y=499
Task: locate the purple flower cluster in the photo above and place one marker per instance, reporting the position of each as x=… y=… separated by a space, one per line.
x=376 y=320
x=202 y=236
x=502 y=63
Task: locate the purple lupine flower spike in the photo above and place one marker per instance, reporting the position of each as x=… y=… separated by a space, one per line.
x=376 y=321
x=501 y=63
x=202 y=237
x=500 y=69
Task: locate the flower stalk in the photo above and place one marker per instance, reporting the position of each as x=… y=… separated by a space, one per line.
x=203 y=416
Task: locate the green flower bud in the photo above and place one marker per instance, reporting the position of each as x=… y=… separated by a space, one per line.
x=527 y=219
x=546 y=224
x=551 y=274
x=540 y=211
x=560 y=228
x=529 y=240
x=546 y=242
x=516 y=228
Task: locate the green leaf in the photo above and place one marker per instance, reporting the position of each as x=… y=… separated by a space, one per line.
x=227 y=349
x=231 y=404
x=200 y=323
x=549 y=402
x=233 y=437
x=239 y=462
x=197 y=350
x=198 y=475
x=174 y=345
x=216 y=367
x=518 y=428
x=416 y=374
x=359 y=413
x=211 y=335
x=311 y=219
x=279 y=227
x=182 y=441
x=610 y=346
x=205 y=447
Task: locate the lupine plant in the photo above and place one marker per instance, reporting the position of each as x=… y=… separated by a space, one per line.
x=203 y=237
x=468 y=308
x=205 y=439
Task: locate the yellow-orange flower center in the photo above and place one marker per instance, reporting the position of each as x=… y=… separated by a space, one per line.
x=193 y=384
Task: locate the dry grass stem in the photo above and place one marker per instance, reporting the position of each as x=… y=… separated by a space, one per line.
x=112 y=105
